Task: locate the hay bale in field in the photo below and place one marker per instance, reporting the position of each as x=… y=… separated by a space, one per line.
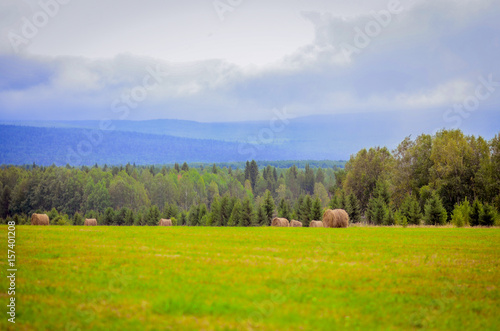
x=165 y=222
x=336 y=218
x=316 y=224
x=295 y=224
x=39 y=219
x=90 y=222
x=279 y=221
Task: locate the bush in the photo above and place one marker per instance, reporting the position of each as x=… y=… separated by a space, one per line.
x=52 y=214
x=60 y=220
x=19 y=219
x=174 y=221
x=390 y=217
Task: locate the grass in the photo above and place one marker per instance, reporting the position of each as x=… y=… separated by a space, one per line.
x=193 y=278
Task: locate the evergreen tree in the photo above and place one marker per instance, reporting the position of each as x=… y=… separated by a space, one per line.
x=353 y=208
x=193 y=217
x=235 y=217
x=382 y=191
x=120 y=216
x=215 y=213
x=320 y=176
x=488 y=215
x=284 y=209
x=202 y=212
x=411 y=210
x=5 y=199
x=77 y=219
x=129 y=217
x=305 y=211
x=334 y=202
x=176 y=167
x=377 y=211
x=268 y=206
x=183 y=218
x=298 y=205
x=214 y=169
x=226 y=208
x=139 y=219
x=254 y=173
x=435 y=213
x=342 y=200
x=308 y=180
x=153 y=216
x=247 y=170
x=172 y=211
x=109 y=215
x=185 y=167
x=461 y=214
x=247 y=213
x=315 y=210
x=275 y=174
x=475 y=214
x=261 y=216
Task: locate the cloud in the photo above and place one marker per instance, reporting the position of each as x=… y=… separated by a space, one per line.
x=428 y=56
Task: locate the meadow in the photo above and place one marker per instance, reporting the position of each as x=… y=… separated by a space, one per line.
x=258 y=278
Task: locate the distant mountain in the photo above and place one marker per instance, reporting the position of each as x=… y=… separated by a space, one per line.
x=320 y=137
x=45 y=146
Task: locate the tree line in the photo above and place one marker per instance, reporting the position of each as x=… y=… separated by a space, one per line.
x=433 y=179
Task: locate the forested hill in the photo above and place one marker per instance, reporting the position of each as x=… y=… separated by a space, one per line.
x=46 y=146
x=319 y=137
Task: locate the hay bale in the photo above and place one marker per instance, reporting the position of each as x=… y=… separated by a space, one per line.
x=279 y=221
x=316 y=224
x=295 y=224
x=337 y=218
x=90 y=222
x=165 y=222
x=39 y=219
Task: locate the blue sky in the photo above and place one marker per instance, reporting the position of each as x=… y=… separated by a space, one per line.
x=239 y=60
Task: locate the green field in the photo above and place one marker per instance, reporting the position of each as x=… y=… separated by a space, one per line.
x=207 y=278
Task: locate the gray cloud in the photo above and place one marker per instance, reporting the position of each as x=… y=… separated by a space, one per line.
x=429 y=56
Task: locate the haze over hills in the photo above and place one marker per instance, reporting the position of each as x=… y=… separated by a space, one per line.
x=320 y=137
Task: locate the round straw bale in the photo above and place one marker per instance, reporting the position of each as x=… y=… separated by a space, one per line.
x=342 y=218
x=279 y=221
x=295 y=223
x=336 y=218
x=316 y=224
x=90 y=222
x=165 y=222
x=39 y=219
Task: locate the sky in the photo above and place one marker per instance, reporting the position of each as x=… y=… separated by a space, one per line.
x=238 y=60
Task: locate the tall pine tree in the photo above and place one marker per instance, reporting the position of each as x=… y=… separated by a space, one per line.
x=235 y=217
x=435 y=213
x=247 y=213
x=315 y=211
x=268 y=206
